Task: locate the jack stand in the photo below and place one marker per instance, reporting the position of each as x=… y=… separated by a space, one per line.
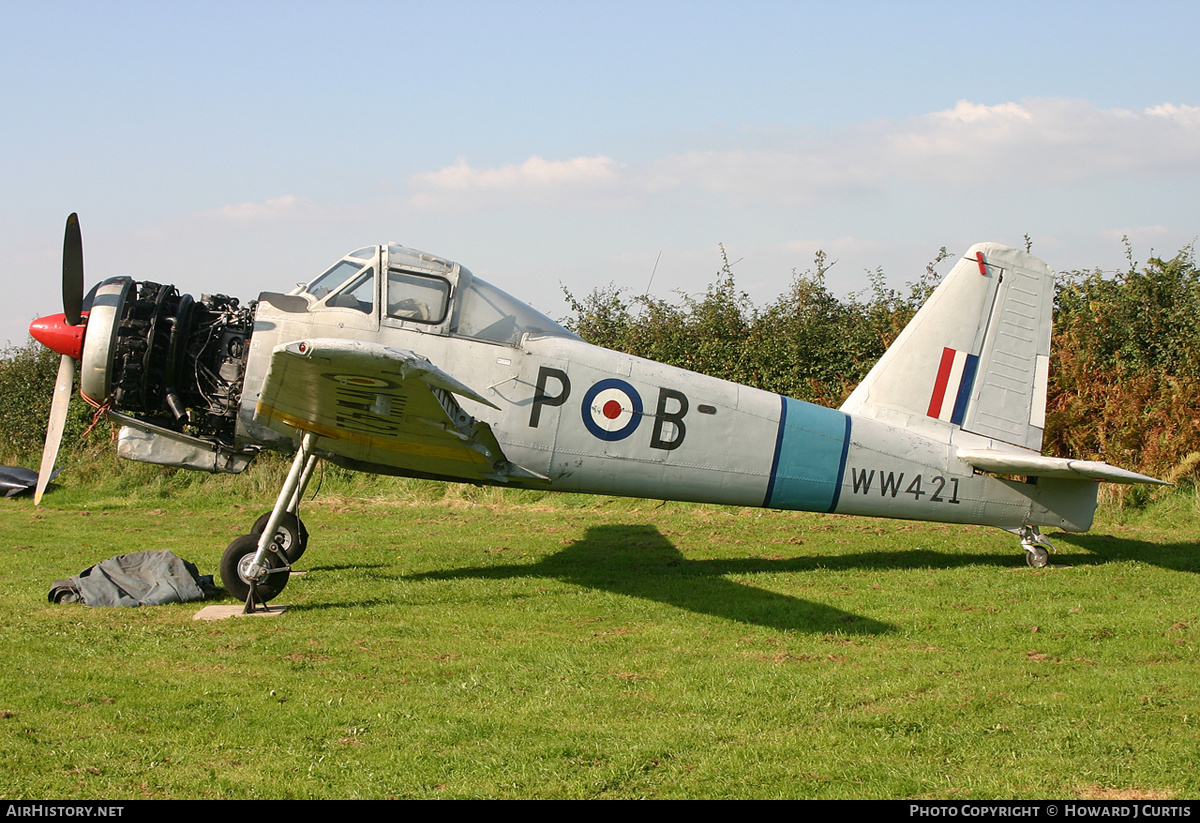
x=254 y=603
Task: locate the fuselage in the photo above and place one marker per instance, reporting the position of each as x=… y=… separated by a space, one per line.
x=598 y=421
x=186 y=379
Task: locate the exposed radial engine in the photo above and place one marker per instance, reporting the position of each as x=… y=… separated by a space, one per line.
x=170 y=369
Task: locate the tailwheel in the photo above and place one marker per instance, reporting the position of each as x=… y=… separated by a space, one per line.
x=1037 y=548
x=1037 y=557
x=291 y=536
x=236 y=573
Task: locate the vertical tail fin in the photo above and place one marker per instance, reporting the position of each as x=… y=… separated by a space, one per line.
x=976 y=356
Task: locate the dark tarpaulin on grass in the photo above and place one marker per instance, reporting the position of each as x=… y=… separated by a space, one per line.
x=15 y=480
x=138 y=579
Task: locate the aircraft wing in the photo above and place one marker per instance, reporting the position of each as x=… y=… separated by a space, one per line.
x=1001 y=462
x=380 y=406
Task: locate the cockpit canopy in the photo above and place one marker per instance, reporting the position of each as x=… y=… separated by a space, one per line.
x=427 y=291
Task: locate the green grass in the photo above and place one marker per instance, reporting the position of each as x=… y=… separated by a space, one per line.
x=458 y=642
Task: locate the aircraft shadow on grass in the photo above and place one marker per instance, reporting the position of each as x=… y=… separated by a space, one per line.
x=1180 y=557
x=638 y=561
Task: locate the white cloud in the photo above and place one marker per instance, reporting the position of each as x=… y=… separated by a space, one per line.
x=1173 y=111
x=969 y=147
x=1046 y=140
x=286 y=206
x=535 y=180
x=965 y=111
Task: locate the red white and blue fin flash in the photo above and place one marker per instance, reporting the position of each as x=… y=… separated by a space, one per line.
x=952 y=389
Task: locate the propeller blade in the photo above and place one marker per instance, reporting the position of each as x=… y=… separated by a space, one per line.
x=72 y=282
x=58 y=419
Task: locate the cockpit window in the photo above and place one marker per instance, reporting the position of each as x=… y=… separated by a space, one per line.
x=338 y=274
x=424 y=289
x=417 y=297
x=487 y=313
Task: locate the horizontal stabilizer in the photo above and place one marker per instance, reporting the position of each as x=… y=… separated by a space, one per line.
x=1035 y=465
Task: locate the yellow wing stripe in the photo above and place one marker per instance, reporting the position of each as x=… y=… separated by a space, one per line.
x=463 y=454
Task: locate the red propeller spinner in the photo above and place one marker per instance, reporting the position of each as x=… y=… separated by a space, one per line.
x=55 y=333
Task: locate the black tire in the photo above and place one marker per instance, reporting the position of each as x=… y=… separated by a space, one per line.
x=236 y=556
x=295 y=536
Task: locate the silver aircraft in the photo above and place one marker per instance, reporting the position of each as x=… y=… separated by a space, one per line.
x=398 y=362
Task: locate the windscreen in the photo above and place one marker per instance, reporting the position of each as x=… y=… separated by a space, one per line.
x=335 y=276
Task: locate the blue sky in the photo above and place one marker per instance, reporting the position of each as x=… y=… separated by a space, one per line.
x=242 y=147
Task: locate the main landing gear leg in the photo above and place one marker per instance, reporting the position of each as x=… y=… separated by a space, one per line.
x=1033 y=542
x=290 y=532
x=256 y=566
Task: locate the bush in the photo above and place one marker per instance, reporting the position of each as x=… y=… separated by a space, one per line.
x=27 y=376
x=1124 y=381
x=807 y=344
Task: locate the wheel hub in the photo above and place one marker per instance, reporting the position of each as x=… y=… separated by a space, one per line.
x=244 y=570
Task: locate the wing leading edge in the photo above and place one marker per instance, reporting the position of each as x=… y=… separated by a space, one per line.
x=379 y=405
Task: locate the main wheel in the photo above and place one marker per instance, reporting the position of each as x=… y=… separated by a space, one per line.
x=293 y=535
x=1037 y=557
x=235 y=563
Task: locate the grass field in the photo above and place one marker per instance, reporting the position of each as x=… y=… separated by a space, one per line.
x=475 y=643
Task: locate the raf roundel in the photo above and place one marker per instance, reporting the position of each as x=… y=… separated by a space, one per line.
x=612 y=409
x=359 y=381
